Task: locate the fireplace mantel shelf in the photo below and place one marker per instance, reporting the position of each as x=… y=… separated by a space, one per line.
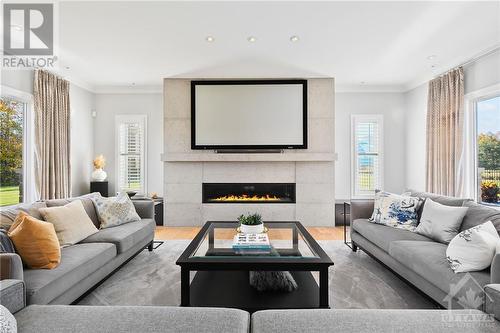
x=212 y=157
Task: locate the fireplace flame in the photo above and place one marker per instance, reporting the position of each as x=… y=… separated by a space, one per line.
x=246 y=197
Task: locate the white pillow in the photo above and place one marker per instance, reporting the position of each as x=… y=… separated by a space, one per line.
x=71 y=222
x=473 y=249
x=440 y=222
x=115 y=211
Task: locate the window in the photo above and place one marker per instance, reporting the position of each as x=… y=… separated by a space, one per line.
x=367 y=156
x=16 y=170
x=131 y=152
x=487 y=112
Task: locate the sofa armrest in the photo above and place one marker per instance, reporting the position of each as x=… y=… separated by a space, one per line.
x=492 y=299
x=11 y=266
x=361 y=209
x=145 y=208
x=13 y=294
x=495 y=269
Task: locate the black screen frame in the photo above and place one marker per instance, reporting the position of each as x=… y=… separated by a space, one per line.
x=195 y=83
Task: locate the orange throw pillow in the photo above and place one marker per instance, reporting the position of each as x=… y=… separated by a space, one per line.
x=35 y=241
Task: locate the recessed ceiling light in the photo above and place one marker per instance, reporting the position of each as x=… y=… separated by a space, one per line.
x=210 y=39
x=252 y=39
x=294 y=39
x=16 y=27
x=431 y=57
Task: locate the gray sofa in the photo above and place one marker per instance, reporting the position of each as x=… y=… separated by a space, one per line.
x=422 y=261
x=85 y=264
x=97 y=319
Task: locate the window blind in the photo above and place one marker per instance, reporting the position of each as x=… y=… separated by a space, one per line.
x=367 y=159
x=131 y=171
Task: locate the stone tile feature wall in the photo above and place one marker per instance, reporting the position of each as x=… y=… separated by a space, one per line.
x=185 y=170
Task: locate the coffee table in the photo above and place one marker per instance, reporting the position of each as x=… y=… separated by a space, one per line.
x=222 y=279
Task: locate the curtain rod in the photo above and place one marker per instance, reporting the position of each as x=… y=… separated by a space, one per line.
x=473 y=59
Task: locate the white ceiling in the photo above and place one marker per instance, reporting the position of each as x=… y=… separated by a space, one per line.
x=384 y=44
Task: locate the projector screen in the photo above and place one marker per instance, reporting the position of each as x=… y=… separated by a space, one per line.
x=249 y=114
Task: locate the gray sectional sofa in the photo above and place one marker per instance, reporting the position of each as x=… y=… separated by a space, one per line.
x=109 y=319
x=422 y=261
x=85 y=264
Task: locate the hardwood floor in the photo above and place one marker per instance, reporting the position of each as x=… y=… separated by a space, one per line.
x=319 y=233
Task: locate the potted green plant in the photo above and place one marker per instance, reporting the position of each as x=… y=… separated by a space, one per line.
x=251 y=224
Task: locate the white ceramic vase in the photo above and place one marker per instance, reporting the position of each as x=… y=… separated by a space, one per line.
x=99 y=175
x=252 y=229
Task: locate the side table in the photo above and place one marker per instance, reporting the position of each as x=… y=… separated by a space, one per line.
x=347 y=219
x=101 y=187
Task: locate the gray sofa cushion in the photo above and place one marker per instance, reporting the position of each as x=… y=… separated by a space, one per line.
x=382 y=235
x=13 y=295
x=88 y=205
x=124 y=236
x=370 y=321
x=96 y=319
x=492 y=300
x=442 y=199
x=77 y=261
x=428 y=260
x=478 y=214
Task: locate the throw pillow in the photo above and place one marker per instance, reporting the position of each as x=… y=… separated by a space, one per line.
x=272 y=281
x=8 y=214
x=71 y=222
x=473 y=249
x=8 y=323
x=440 y=222
x=420 y=208
x=6 y=245
x=395 y=210
x=35 y=241
x=87 y=202
x=115 y=210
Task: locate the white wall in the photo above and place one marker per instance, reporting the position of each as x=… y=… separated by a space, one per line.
x=482 y=73
x=21 y=80
x=110 y=105
x=392 y=107
x=82 y=101
x=415 y=128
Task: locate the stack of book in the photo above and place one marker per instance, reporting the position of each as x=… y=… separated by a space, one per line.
x=251 y=243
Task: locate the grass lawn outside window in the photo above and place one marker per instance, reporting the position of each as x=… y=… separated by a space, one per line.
x=9 y=195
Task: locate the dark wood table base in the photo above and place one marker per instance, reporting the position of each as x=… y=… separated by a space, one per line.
x=231 y=289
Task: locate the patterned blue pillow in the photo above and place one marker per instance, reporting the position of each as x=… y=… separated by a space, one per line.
x=397 y=211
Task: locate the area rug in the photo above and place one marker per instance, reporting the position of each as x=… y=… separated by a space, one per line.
x=356 y=281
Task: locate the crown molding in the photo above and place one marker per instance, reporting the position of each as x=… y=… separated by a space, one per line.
x=122 y=89
x=356 y=88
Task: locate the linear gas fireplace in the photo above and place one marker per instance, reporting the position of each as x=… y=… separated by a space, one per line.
x=248 y=193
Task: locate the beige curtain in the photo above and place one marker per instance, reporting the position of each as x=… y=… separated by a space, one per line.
x=52 y=136
x=444 y=132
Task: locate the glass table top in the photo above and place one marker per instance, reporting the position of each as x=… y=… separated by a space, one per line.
x=287 y=241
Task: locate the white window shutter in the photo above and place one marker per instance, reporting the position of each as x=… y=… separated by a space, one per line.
x=131 y=171
x=367 y=155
